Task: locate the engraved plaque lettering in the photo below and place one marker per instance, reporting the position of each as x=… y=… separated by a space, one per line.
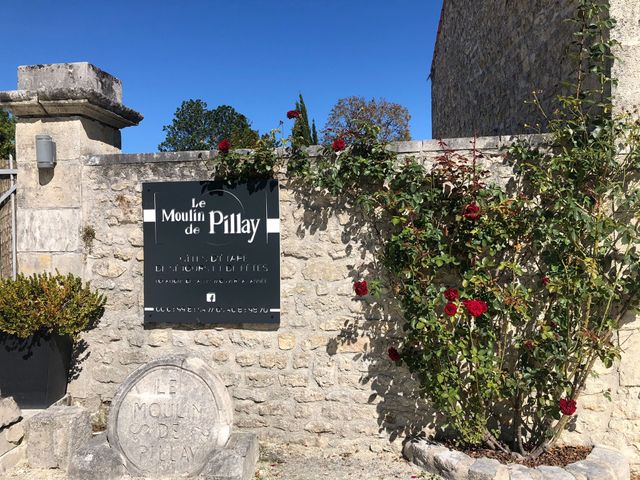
x=168 y=416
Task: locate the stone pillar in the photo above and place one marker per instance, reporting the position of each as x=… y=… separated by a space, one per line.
x=80 y=107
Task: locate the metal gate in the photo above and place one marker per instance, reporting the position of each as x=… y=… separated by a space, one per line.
x=8 y=250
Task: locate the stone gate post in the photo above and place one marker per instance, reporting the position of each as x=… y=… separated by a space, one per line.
x=80 y=107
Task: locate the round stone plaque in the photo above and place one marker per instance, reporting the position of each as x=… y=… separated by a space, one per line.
x=168 y=416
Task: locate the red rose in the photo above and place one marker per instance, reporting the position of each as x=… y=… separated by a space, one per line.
x=338 y=145
x=451 y=294
x=475 y=307
x=224 y=146
x=293 y=114
x=529 y=344
x=471 y=211
x=361 y=288
x=394 y=355
x=545 y=280
x=450 y=309
x=567 y=407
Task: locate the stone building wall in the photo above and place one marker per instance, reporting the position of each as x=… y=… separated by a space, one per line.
x=491 y=55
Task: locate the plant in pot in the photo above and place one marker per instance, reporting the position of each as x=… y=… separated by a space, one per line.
x=41 y=317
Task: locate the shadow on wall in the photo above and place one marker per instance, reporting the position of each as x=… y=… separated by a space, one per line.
x=400 y=409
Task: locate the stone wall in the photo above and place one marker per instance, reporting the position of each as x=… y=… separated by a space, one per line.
x=491 y=55
x=320 y=378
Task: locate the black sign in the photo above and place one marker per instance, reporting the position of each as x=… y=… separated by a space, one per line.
x=211 y=252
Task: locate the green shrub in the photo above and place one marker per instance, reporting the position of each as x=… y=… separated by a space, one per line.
x=48 y=304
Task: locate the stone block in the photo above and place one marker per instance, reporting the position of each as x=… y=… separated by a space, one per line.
x=5 y=445
x=488 y=469
x=236 y=461
x=53 y=230
x=15 y=433
x=10 y=413
x=246 y=359
x=96 y=461
x=321 y=269
x=520 y=472
x=554 y=473
x=74 y=137
x=273 y=360
x=70 y=76
x=29 y=263
x=286 y=341
x=614 y=459
x=59 y=187
x=590 y=470
x=12 y=458
x=423 y=454
x=54 y=434
x=629 y=372
x=452 y=464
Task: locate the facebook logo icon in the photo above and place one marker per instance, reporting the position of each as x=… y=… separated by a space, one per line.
x=211 y=297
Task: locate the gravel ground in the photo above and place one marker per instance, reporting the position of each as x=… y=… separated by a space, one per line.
x=296 y=464
x=306 y=464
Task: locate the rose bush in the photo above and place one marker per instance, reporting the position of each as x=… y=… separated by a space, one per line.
x=509 y=295
x=501 y=350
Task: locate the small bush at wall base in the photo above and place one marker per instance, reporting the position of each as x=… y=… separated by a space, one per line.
x=49 y=304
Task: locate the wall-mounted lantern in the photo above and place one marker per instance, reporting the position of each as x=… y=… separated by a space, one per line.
x=45 y=151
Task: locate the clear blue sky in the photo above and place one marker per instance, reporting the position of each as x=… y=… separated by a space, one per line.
x=255 y=55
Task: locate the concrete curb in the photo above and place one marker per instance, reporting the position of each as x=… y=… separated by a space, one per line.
x=603 y=463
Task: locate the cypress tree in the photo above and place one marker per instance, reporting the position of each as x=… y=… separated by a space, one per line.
x=314 y=133
x=301 y=131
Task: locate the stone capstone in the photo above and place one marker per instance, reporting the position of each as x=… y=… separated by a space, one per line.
x=169 y=416
x=67 y=89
